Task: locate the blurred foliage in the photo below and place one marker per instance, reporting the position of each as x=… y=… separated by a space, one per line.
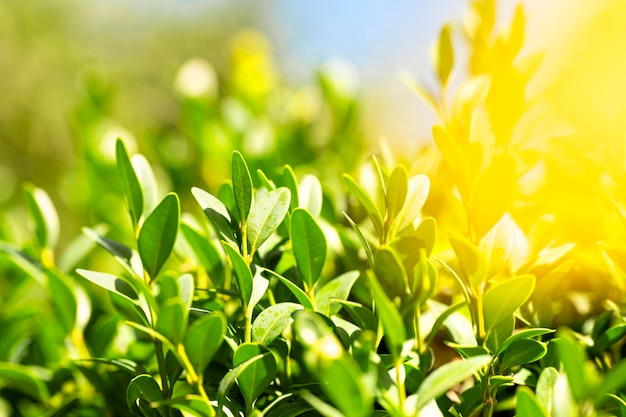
x=477 y=248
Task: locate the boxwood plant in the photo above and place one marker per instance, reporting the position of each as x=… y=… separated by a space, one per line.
x=413 y=292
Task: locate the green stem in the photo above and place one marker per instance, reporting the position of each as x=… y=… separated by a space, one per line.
x=248 y=325
x=416 y=326
x=158 y=347
x=400 y=384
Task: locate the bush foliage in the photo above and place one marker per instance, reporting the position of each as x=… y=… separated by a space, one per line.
x=285 y=276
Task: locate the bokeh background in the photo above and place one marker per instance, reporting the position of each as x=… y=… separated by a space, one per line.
x=316 y=86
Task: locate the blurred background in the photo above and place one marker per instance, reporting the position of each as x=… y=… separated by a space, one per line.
x=187 y=81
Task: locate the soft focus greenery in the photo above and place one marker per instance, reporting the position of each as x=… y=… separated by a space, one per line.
x=193 y=234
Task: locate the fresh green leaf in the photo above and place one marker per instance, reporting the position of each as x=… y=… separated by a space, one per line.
x=257 y=376
x=546 y=387
x=389 y=316
x=116 y=249
x=172 y=320
x=242 y=186
x=390 y=272
x=335 y=290
x=272 y=321
x=610 y=337
x=130 y=182
x=367 y=202
x=309 y=246
x=418 y=189
x=203 y=339
x=521 y=352
x=242 y=272
x=397 y=189
x=364 y=242
x=44 y=216
x=527 y=405
x=300 y=295
x=471 y=260
x=290 y=181
x=158 y=234
x=218 y=214
x=442 y=57
x=504 y=298
x=147 y=182
x=24 y=379
x=267 y=213
x=447 y=376
x=143 y=387
x=310 y=195
x=190 y=405
x=523 y=334
x=63 y=300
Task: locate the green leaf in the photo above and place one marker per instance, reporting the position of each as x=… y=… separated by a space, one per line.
x=335 y=290
x=310 y=195
x=242 y=272
x=322 y=407
x=418 y=189
x=441 y=318
x=147 y=182
x=613 y=382
x=300 y=295
x=203 y=339
x=397 y=189
x=242 y=186
x=43 y=215
x=120 y=251
x=351 y=396
x=272 y=321
x=610 y=337
x=218 y=214
x=521 y=352
x=63 y=300
x=259 y=287
x=143 y=387
x=573 y=358
x=309 y=246
x=364 y=242
x=258 y=375
x=363 y=317
x=499 y=334
x=24 y=379
x=158 y=234
x=390 y=272
x=442 y=56
x=367 y=202
x=390 y=318
x=523 y=334
x=110 y=283
x=498 y=245
x=447 y=376
x=172 y=320
x=130 y=182
x=546 y=387
x=471 y=260
x=290 y=181
x=427 y=234
x=205 y=251
x=186 y=284
x=190 y=405
x=504 y=298
x=526 y=404
x=267 y=213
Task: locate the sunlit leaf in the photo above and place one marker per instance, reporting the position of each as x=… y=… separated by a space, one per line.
x=257 y=376
x=272 y=321
x=242 y=185
x=442 y=56
x=310 y=195
x=335 y=290
x=309 y=245
x=242 y=272
x=447 y=376
x=266 y=214
x=504 y=298
x=217 y=213
x=390 y=318
x=158 y=234
x=203 y=339
x=130 y=182
x=44 y=216
x=367 y=202
x=527 y=404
